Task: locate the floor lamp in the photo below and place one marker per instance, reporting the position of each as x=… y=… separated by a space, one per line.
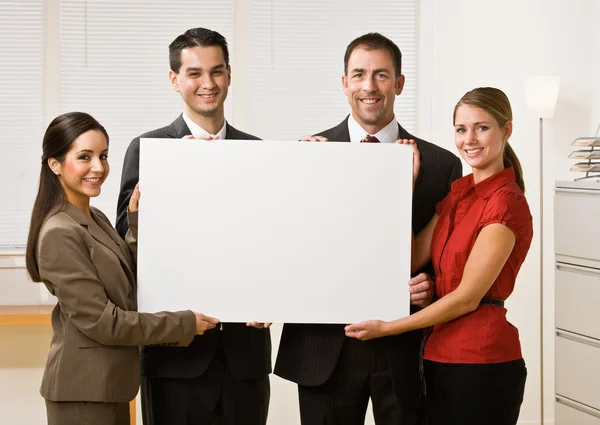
x=541 y=94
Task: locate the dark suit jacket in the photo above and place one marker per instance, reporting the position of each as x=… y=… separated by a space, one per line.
x=308 y=353
x=248 y=350
x=96 y=330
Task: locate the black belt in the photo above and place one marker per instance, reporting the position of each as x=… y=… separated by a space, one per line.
x=492 y=301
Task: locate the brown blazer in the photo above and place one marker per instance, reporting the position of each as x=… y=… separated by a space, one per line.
x=96 y=329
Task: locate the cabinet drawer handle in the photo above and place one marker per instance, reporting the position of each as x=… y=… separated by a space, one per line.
x=578 y=406
x=591 y=192
x=578 y=338
x=585 y=270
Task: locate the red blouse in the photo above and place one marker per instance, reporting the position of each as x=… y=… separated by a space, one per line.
x=484 y=335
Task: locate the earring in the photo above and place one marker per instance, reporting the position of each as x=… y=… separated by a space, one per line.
x=58 y=174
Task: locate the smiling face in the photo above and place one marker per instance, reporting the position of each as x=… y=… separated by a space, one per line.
x=203 y=81
x=84 y=168
x=371 y=85
x=480 y=140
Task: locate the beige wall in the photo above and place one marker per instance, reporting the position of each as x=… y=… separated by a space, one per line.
x=22 y=358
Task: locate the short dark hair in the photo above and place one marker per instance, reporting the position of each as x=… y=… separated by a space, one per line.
x=195 y=37
x=375 y=41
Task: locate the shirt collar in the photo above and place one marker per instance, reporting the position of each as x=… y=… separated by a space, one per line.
x=388 y=134
x=485 y=188
x=195 y=129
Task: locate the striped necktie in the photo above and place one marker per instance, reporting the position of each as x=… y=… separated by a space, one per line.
x=370 y=139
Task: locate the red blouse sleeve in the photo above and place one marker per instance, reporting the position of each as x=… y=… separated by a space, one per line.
x=511 y=209
x=439 y=207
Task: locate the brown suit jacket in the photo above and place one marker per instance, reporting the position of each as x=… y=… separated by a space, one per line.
x=96 y=329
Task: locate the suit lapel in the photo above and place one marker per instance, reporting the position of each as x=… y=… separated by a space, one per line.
x=341 y=132
x=103 y=233
x=178 y=128
x=230 y=132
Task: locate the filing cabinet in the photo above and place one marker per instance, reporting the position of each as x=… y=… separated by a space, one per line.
x=577 y=280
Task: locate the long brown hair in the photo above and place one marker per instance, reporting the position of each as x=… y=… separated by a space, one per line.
x=58 y=139
x=495 y=103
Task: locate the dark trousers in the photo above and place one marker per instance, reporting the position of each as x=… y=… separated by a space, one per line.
x=214 y=398
x=86 y=413
x=362 y=372
x=475 y=394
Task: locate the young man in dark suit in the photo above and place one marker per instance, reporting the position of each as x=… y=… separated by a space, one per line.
x=336 y=375
x=222 y=377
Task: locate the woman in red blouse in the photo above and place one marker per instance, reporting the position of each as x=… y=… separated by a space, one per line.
x=477 y=242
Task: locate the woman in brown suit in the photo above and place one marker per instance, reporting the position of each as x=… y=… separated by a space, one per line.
x=92 y=370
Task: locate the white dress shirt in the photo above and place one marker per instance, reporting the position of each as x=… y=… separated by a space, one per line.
x=388 y=134
x=199 y=131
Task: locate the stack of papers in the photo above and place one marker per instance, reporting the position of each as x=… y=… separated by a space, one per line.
x=585 y=155
x=591 y=154
x=586 y=167
x=586 y=141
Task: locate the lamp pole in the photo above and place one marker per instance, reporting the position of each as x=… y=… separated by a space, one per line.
x=541 y=94
x=541 y=271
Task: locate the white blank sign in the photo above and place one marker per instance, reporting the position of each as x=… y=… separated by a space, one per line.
x=275 y=231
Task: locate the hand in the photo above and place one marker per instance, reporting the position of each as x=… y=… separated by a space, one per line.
x=259 y=325
x=204 y=323
x=314 y=139
x=201 y=136
x=416 y=157
x=135 y=199
x=421 y=288
x=367 y=330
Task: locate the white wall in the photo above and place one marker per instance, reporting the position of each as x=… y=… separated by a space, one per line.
x=464 y=44
x=471 y=43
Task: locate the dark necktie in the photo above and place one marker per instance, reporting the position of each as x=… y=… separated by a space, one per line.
x=370 y=139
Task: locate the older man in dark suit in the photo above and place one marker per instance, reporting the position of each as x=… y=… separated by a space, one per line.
x=336 y=375
x=222 y=377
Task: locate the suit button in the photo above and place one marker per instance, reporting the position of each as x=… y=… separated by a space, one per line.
x=130 y=295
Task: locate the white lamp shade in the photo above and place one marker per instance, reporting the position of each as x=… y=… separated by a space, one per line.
x=541 y=94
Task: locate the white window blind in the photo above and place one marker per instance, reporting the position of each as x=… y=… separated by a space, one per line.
x=297 y=58
x=21 y=115
x=114 y=65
